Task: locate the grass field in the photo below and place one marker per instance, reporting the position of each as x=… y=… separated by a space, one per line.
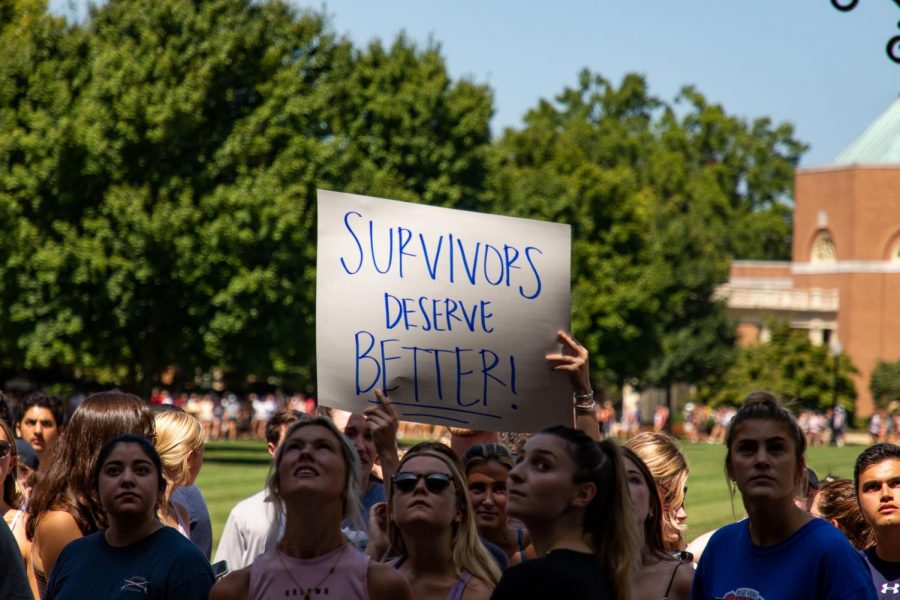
x=235 y=470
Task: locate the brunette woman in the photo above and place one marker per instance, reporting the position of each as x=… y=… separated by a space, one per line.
x=12 y=501
x=836 y=503
x=487 y=469
x=62 y=506
x=780 y=551
x=572 y=494
x=314 y=480
x=661 y=454
x=660 y=575
x=136 y=554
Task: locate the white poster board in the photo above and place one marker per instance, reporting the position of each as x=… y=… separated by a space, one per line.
x=449 y=312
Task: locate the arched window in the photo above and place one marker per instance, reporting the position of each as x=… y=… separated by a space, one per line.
x=823 y=249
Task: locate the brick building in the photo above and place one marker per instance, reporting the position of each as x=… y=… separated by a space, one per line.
x=843 y=282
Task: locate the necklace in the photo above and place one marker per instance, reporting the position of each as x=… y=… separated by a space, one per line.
x=321 y=581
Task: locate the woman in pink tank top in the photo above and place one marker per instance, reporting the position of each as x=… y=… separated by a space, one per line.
x=314 y=478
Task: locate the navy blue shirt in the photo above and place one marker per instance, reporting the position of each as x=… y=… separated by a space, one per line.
x=885 y=575
x=164 y=565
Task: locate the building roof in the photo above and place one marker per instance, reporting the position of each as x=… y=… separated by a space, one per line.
x=879 y=144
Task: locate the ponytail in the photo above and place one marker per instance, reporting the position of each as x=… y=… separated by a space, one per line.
x=609 y=523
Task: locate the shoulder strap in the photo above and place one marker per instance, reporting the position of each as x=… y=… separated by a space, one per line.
x=672 y=579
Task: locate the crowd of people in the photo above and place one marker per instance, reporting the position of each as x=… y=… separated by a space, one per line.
x=103 y=505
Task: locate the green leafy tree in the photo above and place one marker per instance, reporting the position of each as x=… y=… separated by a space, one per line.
x=790 y=366
x=654 y=193
x=885 y=383
x=164 y=199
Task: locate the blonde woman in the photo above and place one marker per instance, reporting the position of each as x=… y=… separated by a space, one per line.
x=179 y=442
x=313 y=483
x=662 y=456
x=431 y=524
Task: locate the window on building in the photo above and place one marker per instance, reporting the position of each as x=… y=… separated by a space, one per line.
x=823 y=249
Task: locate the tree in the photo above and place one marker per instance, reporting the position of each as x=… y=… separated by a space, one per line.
x=165 y=206
x=654 y=193
x=790 y=366
x=885 y=383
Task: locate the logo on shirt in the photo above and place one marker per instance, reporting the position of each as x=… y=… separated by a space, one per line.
x=885 y=588
x=742 y=594
x=136 y=584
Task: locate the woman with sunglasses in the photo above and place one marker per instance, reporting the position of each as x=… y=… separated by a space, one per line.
x=779 y=551
x=430 y=523
x=660 y=575
x=12 y=500
x=571 y=493
x=487 y=468
x=313 y=482
x=136 y=555
x=661 y=454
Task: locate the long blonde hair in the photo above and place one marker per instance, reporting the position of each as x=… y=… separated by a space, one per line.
x=662 y=456
x=467 y=552
x=177 y=435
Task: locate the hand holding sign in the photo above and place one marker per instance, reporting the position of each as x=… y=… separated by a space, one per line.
x=575 y=364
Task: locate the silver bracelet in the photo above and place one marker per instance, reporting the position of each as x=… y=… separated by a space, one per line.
x=588 y=396
x=586 y=408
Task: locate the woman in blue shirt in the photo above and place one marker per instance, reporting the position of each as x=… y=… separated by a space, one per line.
x=780 y=551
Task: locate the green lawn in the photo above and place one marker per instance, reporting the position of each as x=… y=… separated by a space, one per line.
x=235 y=470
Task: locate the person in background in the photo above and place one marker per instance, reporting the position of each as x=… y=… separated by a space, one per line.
x=26 y=466
x=249 y=530
x=190 y=497
x=180 y=444
x=487 y=468
x=136 y=555
x=572 y=494
x=876 y=479
x=374 y=436
x=661 y=454
x=780 y=552
x=836 y=503
x=63 y=506
x=313 y=482
x=41 y=421
x=660 y=575
x=5 y=415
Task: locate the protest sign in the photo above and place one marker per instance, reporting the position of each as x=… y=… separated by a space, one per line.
x=448 y=312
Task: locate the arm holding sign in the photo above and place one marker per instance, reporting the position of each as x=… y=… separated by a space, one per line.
x=383 y=423
x=574 y=361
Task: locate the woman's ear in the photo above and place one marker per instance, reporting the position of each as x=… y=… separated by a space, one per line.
x=584 y=493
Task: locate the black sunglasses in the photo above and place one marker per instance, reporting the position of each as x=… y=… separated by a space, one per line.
x=5 y=447
x=435 y=483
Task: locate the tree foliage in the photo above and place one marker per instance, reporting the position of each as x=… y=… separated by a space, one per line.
x=159 y=162
x=885 y=383
x=656 y=194
x=790 y=366
x=160 y=172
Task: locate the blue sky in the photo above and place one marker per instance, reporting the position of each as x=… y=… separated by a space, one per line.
x=800 y=61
